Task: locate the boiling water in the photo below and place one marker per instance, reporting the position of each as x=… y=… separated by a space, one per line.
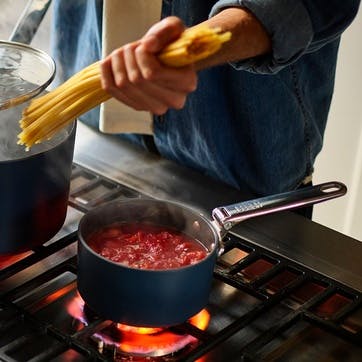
x=10 y=128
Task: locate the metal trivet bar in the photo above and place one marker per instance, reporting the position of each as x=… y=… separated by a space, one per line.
x=231 y=274
x=39 y=254
x=56 y=341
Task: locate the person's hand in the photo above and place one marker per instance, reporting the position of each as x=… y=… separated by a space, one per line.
x=133 y=74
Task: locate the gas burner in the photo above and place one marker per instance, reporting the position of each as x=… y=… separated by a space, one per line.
x=263 y=306
x=137 y=341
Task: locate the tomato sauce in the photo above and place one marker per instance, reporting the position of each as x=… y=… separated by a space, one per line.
x=146 y=246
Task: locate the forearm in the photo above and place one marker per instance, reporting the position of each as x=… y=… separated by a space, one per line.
x=295 y=27
x=249 y=38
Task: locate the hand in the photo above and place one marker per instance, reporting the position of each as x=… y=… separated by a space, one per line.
x=134 y=75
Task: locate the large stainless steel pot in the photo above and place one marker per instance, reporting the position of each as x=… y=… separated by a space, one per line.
x=34 y=185
x=168 y=297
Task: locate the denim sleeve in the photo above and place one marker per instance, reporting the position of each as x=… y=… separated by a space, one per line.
x=295 y=26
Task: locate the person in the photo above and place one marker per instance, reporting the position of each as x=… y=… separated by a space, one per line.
x=254 y=114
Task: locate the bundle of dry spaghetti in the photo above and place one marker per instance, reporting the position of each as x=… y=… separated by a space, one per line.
x=48 y=114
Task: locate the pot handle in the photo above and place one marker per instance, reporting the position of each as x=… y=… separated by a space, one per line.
x=29 y=21
x=228 y=216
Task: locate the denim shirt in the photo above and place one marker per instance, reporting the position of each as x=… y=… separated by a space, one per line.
x=256 y=124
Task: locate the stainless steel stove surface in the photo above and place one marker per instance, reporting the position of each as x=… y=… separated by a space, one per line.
x=285 y=289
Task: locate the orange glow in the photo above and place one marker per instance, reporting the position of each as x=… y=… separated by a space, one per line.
x=201 y=319
x=138 y=330
x=142 y=340
x=136 y=341
x=146 y=344
x=75 y=308
x=59 y=293
x=8 y=259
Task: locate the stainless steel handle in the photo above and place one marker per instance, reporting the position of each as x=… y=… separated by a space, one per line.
x=227 y=216
x=29 y=21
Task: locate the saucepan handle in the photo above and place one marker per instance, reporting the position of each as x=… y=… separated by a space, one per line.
x=228 y=216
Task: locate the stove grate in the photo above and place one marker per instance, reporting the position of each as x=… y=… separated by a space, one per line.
x=262 y=306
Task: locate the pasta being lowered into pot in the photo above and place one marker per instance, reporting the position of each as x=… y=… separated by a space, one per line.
x=49 y=113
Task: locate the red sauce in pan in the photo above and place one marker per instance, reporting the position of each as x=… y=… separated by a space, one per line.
x=146 y=246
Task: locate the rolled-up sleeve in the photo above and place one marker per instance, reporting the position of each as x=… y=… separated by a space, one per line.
x=295 y=27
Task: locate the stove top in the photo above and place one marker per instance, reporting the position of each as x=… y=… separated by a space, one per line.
x=285 y=288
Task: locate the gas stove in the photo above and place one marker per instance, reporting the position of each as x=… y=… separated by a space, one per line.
x=284 y=289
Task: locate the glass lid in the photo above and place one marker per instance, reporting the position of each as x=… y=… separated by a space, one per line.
x=24 y=73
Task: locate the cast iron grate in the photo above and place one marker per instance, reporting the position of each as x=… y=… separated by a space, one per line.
x=262 y=307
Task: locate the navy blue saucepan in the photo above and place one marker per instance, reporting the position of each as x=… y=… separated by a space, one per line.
x=161 y=298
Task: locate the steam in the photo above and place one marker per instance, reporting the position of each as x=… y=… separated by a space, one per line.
x=9 y=129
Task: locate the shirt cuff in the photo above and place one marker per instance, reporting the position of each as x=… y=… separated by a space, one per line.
x=288 y=24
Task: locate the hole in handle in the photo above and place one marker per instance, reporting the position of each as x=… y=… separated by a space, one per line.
x=331 y=188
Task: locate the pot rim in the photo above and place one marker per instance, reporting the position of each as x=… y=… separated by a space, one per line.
x=70 y=128
x=210 y=254
x=38 y=57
